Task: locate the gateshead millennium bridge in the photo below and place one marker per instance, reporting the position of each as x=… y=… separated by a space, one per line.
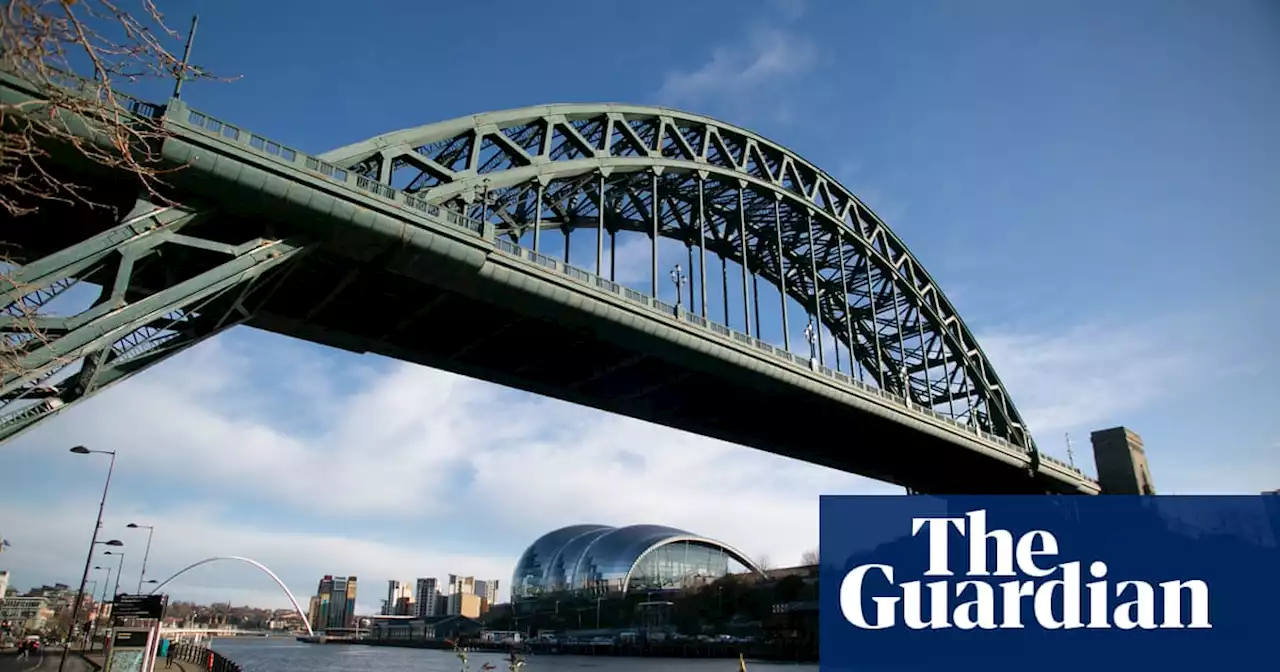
x=795 y=321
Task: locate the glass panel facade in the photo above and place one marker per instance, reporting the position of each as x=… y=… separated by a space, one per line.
x=534 y=565
x=598 y=559
x=679 y=565
x=560 y=573
x=605 y=563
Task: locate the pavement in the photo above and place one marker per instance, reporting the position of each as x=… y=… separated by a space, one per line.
x=47 y=661
x=97 y=660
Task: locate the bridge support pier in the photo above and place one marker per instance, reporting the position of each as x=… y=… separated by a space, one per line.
x=163 y=281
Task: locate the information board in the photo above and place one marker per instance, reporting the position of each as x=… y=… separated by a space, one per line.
x=138 y=606
x=131 y=650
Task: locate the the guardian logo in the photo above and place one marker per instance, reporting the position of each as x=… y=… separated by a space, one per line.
x=1054 y=603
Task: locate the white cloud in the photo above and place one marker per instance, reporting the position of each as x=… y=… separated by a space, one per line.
x=1080 y=376
x=469 y=470
x=315 y=461
x=632 y=267
x=769 y=55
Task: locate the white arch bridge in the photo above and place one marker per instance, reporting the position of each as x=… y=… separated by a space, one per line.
x=301 y=614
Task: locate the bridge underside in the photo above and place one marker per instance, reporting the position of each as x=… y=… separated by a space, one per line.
x=550 y=349
x=565 y=355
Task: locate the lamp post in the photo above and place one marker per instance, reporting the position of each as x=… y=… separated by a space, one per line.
x=92 y=588
x=119 y=572
x=104 y=583
x=146 y=554
x=677 y=277
x=88 y=560
x=98 y=616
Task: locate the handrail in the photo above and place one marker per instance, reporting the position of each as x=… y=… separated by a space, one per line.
x=210 y=660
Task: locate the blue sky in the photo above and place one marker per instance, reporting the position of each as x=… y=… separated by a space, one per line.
x=1094 y=185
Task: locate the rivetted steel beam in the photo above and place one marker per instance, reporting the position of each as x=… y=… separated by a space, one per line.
x=122 y=333
x=734 y=154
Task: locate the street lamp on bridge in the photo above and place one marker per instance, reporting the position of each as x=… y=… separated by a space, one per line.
x=151 y=529
x=678 y=278
x=93 y=541
x=811 y=335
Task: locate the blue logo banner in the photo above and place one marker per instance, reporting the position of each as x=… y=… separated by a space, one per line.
x=1049 y=583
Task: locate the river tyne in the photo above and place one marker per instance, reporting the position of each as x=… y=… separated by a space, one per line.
x=256 y=654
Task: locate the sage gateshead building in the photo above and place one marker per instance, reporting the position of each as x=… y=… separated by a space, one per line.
x=599 y=560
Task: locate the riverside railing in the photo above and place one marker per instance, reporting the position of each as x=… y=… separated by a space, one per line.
x=206 y=658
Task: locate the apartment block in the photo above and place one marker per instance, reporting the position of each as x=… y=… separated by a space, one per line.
x=426 y=598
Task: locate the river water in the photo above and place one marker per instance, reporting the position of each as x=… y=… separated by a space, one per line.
x=259 y=654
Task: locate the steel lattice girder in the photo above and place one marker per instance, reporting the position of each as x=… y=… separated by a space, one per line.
x=763 y=207
x=132 y=324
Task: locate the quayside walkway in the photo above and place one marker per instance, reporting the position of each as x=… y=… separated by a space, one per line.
x=186 y=658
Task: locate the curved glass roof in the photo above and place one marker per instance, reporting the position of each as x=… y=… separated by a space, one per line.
x=535 y=565
x=597 y=557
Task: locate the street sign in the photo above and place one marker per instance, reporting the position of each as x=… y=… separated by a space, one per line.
x=138 y=606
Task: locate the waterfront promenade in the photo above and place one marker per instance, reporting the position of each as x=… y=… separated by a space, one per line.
x=94 y=660
x=97 y=661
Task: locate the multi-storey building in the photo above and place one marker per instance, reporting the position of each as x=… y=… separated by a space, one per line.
x=462 y=599
x=399 y=597
x=334 y=605
x=464 y=604
x=426 y=598
x=32 y=613
x=318 y=612
x=488 y=590
x=462 y=585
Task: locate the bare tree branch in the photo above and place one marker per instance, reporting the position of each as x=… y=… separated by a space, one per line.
x=72 y=52
x=44 y=42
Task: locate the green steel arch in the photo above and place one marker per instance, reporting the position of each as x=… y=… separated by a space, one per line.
x=720 y=189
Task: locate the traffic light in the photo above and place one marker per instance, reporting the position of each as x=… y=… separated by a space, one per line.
x=4 y=626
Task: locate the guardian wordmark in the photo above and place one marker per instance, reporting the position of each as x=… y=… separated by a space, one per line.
x=1039 y=589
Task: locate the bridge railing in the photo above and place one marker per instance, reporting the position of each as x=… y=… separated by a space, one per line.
x=79 y=85
x=206 y=658
x=415 y=206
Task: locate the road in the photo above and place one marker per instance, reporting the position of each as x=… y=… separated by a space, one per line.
x=42 y=662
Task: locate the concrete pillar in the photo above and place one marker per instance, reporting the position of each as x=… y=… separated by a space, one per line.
x=1121 y=462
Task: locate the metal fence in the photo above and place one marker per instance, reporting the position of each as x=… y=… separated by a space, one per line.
x=207 y=658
